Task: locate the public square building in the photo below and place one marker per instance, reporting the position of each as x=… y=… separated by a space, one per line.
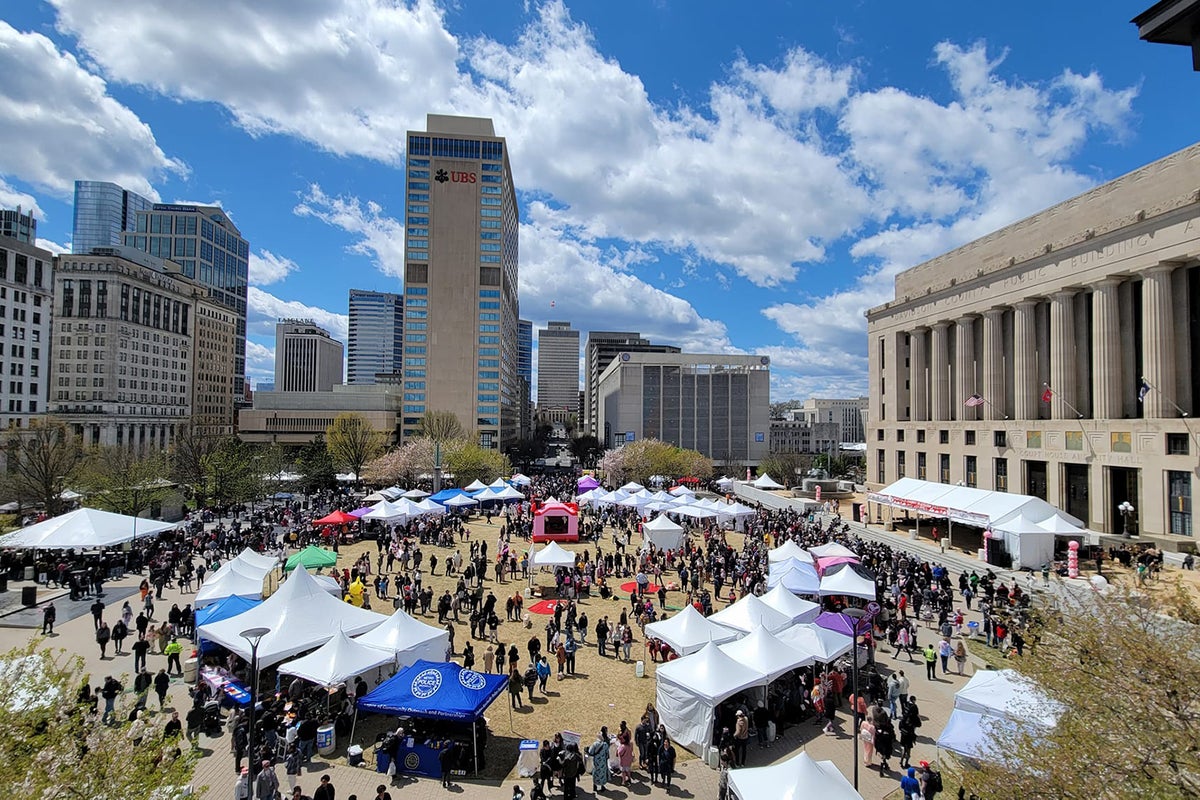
x=1055 y=357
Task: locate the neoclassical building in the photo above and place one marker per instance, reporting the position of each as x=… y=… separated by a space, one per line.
x=1054 y=357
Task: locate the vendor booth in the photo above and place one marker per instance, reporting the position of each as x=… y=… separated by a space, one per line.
x=438 y=703
x=408 y=640
x=748 y=613
x=82 y=529
x=797 y=577
x=994 y=702
x=849 y=580
x=663 y=534
x=690 y=689
x=337 y=661
x=311 y=558
x=798 y=777
x=765 y=481
x=766 y=653
x=689 y=631
x=784 y=601
x=789 y=550
x=556 y=522
x=223 y=609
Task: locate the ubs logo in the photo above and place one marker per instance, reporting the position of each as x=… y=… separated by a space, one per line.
x=440 y=176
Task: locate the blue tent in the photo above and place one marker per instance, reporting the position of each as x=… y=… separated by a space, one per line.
x=445 y=494
x=435 y=690
x=229 y=607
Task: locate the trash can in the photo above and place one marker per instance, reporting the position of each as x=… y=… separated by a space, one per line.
x=29 y=596
x=354 y=755
x=639 y=669
x=382 y=759
x=191 y=670
x=528 y=762
x=29 y=573
x=326 y=739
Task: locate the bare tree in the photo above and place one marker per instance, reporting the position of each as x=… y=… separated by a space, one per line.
x=43 y=459
x=352 y=441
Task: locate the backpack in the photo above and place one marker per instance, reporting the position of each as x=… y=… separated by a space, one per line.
x=934 y=782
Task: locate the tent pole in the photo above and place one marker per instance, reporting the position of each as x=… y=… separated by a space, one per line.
x=475 y=743
x=354 y=724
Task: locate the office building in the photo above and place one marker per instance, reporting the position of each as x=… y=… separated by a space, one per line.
x=213 y=360
x=801 y=436
x=460 y=280
x=295 y=418
x=718 y=405
x=307 y=358
x=26 y=300
x=104 y=212
x=525 y=377
x=210 y=250
x=1055 y=357
x=375 y=344
x=847 y=413
x=599 y=351
x=123 y=344
x=558 y=371
x=16 y=224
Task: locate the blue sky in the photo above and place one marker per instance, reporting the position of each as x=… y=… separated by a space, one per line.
x=726 y=177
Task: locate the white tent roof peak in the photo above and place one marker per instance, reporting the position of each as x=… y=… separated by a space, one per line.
x=689 y=631
x=710 y=674
x=84 y=528
x=763 y=651
x=789 y=549
x=475 y=486
x=337 y=661
x=765 y=481
x=662 y=523
x=748 y=613
x=798 y=777
x=553 y=555
x=822 y=644
x=783 y=601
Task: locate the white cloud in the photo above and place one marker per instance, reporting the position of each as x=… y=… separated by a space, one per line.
x=11 y=197
x=265 y=309
x=379 y=237
x=267 y=268
x=260 y=361
x=60 y=124
x=53 y=247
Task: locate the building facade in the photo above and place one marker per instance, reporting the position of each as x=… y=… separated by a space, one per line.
x=525 y=377
x=558 y=369
x=460 y=279
x=104 y=212
x=847 y=413
x=307 y=358
x=210 y=250
x=213 y=367
x=15 y=224
x=1055 y=357
x=122 y=348
x=375 y=344
x=296 y=418
x=26 y=301
x=718 y=405
x=800 y=436
x=599 y=351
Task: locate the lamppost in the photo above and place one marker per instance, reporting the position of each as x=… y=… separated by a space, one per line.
x=855 y=616
x=253 y=636
x=1126 y=508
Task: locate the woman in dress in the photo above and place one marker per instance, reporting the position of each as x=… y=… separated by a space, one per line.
x=960 y=657
x=599 y=750
x=866 y=734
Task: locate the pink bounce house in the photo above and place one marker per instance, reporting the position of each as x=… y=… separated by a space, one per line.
x=556 y=522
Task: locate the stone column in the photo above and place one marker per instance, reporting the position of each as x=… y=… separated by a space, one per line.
x=1025 y=384
x=993 y=363
x=918 y=378
x=1062 y=353
x=1106 y=351
x=1158 y=348
x=964 y=353
x=940 y=382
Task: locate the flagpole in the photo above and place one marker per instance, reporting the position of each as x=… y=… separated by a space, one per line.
x=1166 y=397
x=1062 y=400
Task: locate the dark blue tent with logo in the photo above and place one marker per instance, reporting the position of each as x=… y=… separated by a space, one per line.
x=436 y=690
x=445 y=494
x=229 y=607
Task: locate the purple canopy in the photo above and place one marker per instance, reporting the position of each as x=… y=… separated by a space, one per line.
x=358 y=512
x=832 y=621
x=587 y=483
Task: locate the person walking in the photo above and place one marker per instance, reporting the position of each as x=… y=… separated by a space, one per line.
x=931 y=656
x=866 y=735
x=172 y=651
x=910 y=787
x=960 y=657
x=599 y=753
x=97 y=613
x=945 y=650
x=325 y=791
x=102 y=636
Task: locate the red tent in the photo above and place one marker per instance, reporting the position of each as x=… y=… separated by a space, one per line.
x=336 y=518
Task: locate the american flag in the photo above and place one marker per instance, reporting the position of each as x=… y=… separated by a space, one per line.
x=974 y=400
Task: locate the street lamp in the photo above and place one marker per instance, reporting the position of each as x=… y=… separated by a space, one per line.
x=1126 y=508
x=855 y=616
x=253 y=636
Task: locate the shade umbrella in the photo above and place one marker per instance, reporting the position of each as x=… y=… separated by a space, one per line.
x=336 y=518
x=312 y=557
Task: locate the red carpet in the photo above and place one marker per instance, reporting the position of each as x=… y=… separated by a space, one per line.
x=631 y=587
x=544 y=606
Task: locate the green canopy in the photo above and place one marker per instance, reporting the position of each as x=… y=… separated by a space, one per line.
x=312 y=557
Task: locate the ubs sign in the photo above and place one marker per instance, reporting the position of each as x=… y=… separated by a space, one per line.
x=442 y=176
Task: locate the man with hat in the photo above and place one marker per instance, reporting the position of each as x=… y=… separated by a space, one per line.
x=741 y=737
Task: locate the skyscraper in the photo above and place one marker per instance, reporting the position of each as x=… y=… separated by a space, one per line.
x=210 y=250
x=307 y=358
x=26 y=284
x=18 y=225
x=376 y=335
x=558 y=370
x=601 y=348
x=525 y=375
x=104 y=211
x=460 y=279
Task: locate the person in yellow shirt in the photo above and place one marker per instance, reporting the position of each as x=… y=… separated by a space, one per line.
x=172 y=651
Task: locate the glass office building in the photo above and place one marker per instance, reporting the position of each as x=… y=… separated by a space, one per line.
x=376 y=336
x=103 y=212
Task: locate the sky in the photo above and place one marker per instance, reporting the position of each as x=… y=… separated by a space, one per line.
x=729 y=178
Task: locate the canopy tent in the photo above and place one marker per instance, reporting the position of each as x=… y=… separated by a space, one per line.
x=694 y=511
x=248 y=560
x=430 y=507
x=336 y=661
x=832 y=550
x=766 y=653
x=798 y=777
x=311 y=557
x=444 y=495
x=822 y=644
x=724 y=480
x=460 y=501
x=82 y=529
x=632 y=487
x=842 y=624
x=765 y=481
x=226 y=608
x=487 y=495
x=553 y=555
x=475 y=486
x=521 y=480
x=555 y=521
x=386 y=511
x=689 y=689
x=360 y=512
x=848 y=580
x=1027 y=525
x=586 y=483
x=748 y=613
x=681 y=491
x=795 y=576
x=789 y=549
x=689 y=631
x=827 y=563
x=973 y=735
x=509 y=493
x=499 y=483
x=782 y=600
x=415 y=494
x=407 y=640
x=1006 y=693
x=663 y=534
x=336 y=518
x=234 y=579
x=431 y=690
x=301 y=615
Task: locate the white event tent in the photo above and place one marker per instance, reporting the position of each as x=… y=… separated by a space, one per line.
x=1026 y=525
x=765 y=481
x=690 y=688
x=407 y=640
x=994 y=700
x=782 y=600
x=822 y=644
x=301 y=615
x=663 y=534
x=789 y=550
x=84 y=528
x=795 y=576
x=847 y=581
x=337 y=661
x=689 y=631
x=832 y=550
x=766 y=653
x=798 y=777
x=748 y=613
x=234 y=579
x=553 y=555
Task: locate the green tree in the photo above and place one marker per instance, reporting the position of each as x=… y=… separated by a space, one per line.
x=125 y=481
x=230 y=473
x=469 y=462
x=189 y=454
x=42 y=461
x=1127 y=678
x=441 y=426
x=645 y=458
x=782 y=467
x=587 y=449
x=55 y=749
x=352 y=441
x=316 y=466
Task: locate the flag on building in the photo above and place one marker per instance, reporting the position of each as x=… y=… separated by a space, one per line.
x=974 y=400
x=1046 y=395
x=1143 y=390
